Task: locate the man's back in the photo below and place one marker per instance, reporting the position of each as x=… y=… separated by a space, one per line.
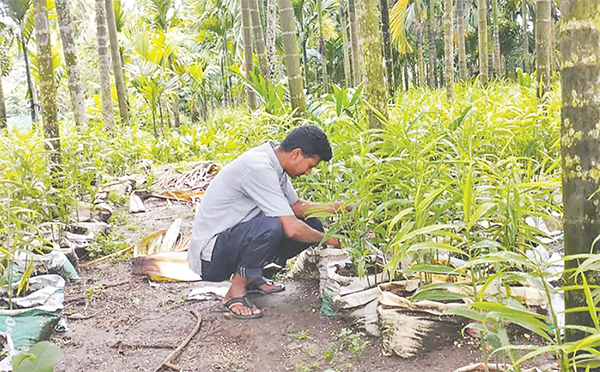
x=253 y=184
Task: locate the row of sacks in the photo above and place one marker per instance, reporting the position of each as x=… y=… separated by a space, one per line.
x=383 y=308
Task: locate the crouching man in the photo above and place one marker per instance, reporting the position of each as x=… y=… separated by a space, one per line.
x=251 y=215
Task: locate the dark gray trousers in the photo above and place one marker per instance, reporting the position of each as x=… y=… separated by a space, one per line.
x=245 y=248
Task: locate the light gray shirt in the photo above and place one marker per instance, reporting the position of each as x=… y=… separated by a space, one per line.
x=252 y=185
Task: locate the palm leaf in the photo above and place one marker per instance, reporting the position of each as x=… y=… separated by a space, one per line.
x=397 y=29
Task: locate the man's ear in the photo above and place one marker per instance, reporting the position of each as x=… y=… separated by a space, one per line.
x=296 y=153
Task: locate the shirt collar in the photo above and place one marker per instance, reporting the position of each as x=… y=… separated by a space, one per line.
x=270 y=150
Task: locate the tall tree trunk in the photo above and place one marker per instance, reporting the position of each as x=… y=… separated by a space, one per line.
x=354 y=40
x=322 y=47
x=270 y=38
x=33 y=105
x=580 y=47
x=420 y=54
x=387 y=46
x=104 y=67
x=292 y=58
x=448 y=49
x=431 y=34
x=344 y=26
x=259 y=39
x=552 y=46
x=67 y=36
x=116 y=61
x=248 y=60
x=460 y=29
x=431 y=78
x=496 y=40
x=224 y=75
x=3 y=120
x=303 y=38
x=47 y=86
x=483 y=40
x=525 y=16
x=406 y=76
x=176 y=118
x=369 y=39
x=542 y=45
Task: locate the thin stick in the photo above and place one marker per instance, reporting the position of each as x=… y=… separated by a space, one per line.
x=104 y=286
x=122 y=345
x=89 y=263
x=167 y=361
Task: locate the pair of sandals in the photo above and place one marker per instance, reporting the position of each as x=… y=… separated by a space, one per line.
x=245 y=302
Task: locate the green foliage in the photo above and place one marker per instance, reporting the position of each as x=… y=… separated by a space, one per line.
x=106 y=244
x=353 y=341
x=41 y=357
x=91 y=291
x=300 y=335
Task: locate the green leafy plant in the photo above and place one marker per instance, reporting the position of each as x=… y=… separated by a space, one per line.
x=41 y=357
x=353 y=341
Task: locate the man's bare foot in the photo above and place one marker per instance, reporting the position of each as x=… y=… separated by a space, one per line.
x=265 y=286
x=235 y=300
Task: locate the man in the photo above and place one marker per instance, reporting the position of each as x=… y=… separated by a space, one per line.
x=250 y=214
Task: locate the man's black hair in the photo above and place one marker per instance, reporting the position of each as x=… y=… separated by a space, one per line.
x=310 y=139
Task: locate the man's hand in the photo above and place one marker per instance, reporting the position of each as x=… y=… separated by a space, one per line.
x=333 y=241
x=338 y=207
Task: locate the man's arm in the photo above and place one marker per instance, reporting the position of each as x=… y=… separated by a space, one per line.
x=303 y=208
x=295 y=229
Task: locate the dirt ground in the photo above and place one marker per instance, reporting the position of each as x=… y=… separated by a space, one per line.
x=135 y=324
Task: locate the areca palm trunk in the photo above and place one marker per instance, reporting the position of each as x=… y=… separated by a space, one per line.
x=270 y=35
x=483 y=40
x=116 y=61
x=420 y=56
x=354 y=40
x=460 y=30
x=292 y=58
x=525 y=16
x=580 y=147
x=374 y=91
x=259 y=39
x=104 y=67
x=67 y=37
x=431 y=75
x=47 y=86
x=542 y=45
x=448 y=49
x=344 y=26
x=322 y=47
x=387 y=46
x=2 y=105
x=33 y=105
x=248 y=62
x=496 y=40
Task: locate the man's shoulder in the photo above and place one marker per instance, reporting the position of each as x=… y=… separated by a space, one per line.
x=254 y=159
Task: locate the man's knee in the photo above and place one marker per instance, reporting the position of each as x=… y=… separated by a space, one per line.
x=272 y=229
x=315 y=223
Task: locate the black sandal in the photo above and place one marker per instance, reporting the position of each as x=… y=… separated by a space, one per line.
x=255 y=287
x=240 y=301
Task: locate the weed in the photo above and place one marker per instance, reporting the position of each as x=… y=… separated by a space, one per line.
x=328 y=355
x=119 y=218
x=300 y=336
x=353 y=341
x=310 y=352
x=106 y=244
x=301 y=367
x=92 y=291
